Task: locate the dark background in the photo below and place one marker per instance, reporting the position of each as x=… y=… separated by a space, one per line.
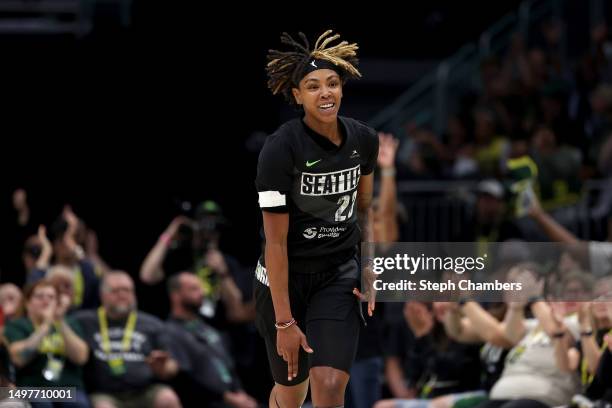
x=125 y=123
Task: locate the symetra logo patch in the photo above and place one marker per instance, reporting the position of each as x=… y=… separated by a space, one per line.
x=323 y=232
x=310 y=233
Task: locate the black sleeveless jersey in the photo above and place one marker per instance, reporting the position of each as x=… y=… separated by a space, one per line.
x=315 y=181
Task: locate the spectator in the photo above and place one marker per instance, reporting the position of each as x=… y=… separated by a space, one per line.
x=37 y=252
x=558 y=169
x=209 y=363
x=530 y=373
x=599 y=125
x=45 y=346
x=87 y=238
x=195 y=246
x=434 y=365
x=595 y=322
x=489 y=147
x=489 y=222
x=600 y=388
x=62 y=279
x=575 y=288
x=129 y=350
x=10 y=301
x=227 y=305
x=552 y=112
x=474 y=327
x=69 y=254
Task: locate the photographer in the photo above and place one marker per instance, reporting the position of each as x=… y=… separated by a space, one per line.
x=207 y=367
x=194 y=245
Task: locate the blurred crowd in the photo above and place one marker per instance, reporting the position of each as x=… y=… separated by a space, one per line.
x=537 y=128
x=75 y=322
x=530 y=101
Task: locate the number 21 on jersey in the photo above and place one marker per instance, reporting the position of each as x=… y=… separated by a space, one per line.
x=343 y=203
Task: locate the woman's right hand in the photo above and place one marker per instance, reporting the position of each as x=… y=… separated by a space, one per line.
x=44 y=240
x=288 y=342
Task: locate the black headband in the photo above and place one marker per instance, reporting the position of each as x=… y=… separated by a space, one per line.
x=315 y=64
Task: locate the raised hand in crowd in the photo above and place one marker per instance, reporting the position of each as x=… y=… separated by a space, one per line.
x=387 y=150
x=151 y=271
x=46 y=251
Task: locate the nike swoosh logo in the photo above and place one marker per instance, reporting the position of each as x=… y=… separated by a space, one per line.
x=310 y=164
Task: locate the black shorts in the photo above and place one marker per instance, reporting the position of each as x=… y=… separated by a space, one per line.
x=327 y=312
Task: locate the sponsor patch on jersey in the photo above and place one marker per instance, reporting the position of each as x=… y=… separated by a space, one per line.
x=323 y=232
x=310 y=233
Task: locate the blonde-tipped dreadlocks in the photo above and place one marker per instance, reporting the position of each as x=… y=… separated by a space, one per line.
x=286 y=68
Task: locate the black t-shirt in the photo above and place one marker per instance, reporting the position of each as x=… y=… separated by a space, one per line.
x=448 y=366
x=601 y=387
x=399 y=342
x=149 y=335
x=315 y=181
x=205 y=357
x=492 y=359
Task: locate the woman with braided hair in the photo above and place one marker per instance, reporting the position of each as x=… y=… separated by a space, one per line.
x=314 y=180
